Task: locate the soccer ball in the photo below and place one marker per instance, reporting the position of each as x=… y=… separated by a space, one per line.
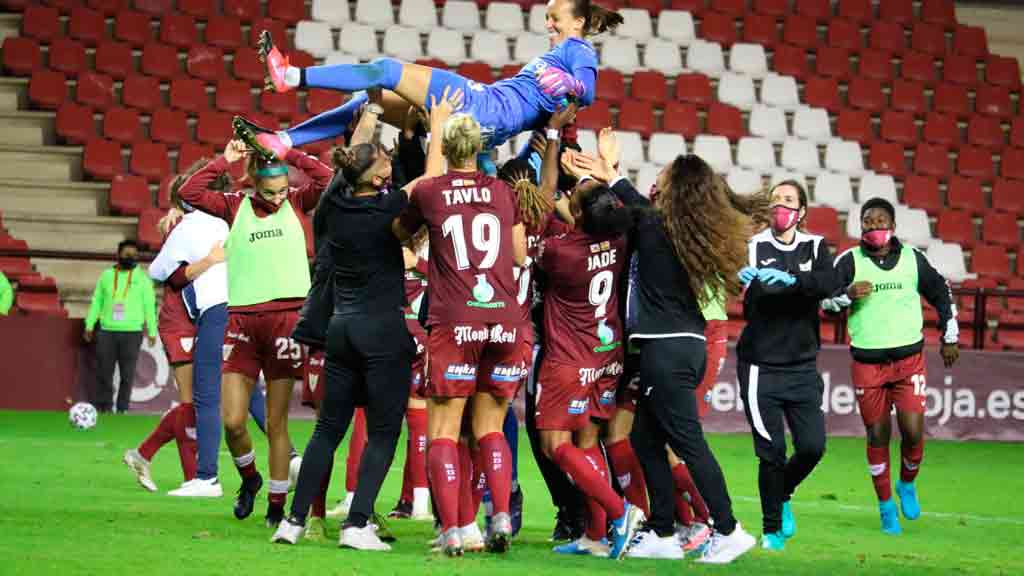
x=82 y=416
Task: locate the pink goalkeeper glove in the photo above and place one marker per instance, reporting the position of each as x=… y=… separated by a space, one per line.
x=557 y=83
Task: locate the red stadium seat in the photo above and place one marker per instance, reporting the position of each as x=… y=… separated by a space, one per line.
x=932 y=160
x=478 y=71
x=856 y=10
x=169 y=126
x=955 y=226
x=975 y=162
x=888 y=158
x=939 y=12
x=1000 y=228
x=942 y=129
x=960 y=69
x=75 y=124
x=148 y=231
x=1008 y=196
x=986 y=132
x=290 y=11
x=993 y=101
x=844 y=33
x=42 y=303
x=285 y=106
x=888 y=37
x=720 y=28
x=244 y=10
x=189 y=94
x=775 y=8
x=866 y=94
x=637 y=116
x=133 y=28
x=41 y=22
x=122 y=125
x=789 y=61
x=21 y=55
x=67 y=56
x=800 y=31
x=824 y=221
x=1011 y=339
x=899 y=127
x=224 y=33
x=201 y=9
x=192 y=152
x=695 y=7
x=951 y=99
x=163 y=194
x=595 y=117
x=1003 y=71
x=214 y=128
x=693 y=88
x=247 y=66
x=970 y=41
x=833 y=62
x=855 y=125
x=898 y=11
x=178 y=30
x=15 y=267
x=965 y=194
x=908 y=96
x=150 y=160
x=129 y=195
x=928 y=39
x=95 y=90
x=87 y=26
x=611 y=86
x=102 y=159
x=160 y=61
x=649 y=86
x=991 y=261
x=734 y=8
x=155 y=7
x=923 y=192
x=233 y=96
x=822 y=93
x=919 y=67
x=681 y=118
x=1013 y=163
x=115 y=59
x=47 y=89
x=318 y=100
x=760 y=29
x=726 y=120
x=206 y=62
x=142 y=92
x=876 y=64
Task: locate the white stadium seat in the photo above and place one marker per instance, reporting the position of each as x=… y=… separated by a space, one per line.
x=780 y=91
x=461 y=15
x=620 y=54
x=663 y=56
x=912 y=226
x=358 y=39
x=314 y=37
x=587 y=139
x=645 y=179
x=637 y=24
x=755 y=153
x=948 y=259
x=419 y=14
x=403 y=43
x=874 y=185
x=783 y=175
x=812 y=124
x=631 y=147
x=539 y=19
x=801 y=156
x=748 y=59
x=832 y=189
x=340 y=58
x=446 y=44
x=663 y=148
x=737 y=90
x=529 y=46
x=677 y=26
x=706 y=58
x=330 y=11
x=844 y=156
x=375 y=13
x=768 y=122
x=715 y=151
x=853 y=222
x=505 y=17
x=743 y=181
x=490 y=48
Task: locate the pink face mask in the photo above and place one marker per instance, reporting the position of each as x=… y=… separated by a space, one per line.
x=784 y=218
x=877 y=238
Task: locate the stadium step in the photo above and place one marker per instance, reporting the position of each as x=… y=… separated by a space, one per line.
x=10 y=25
x=69 y=232
x=29 y=128
x=79 y=198
x=41 y=162
x=13 y=93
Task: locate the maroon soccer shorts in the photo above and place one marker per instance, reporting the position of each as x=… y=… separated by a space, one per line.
x=470 y=358
x=881 y=386
x=257 y=341
x=563 y=403
x=177 y=332
x=313 y=380
x=717 y=347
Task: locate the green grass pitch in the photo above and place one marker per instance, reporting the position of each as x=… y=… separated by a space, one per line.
x=69 y=506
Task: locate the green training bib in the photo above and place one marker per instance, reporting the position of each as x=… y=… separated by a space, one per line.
x=715 y=307
x=266 y=257
x=890 y=317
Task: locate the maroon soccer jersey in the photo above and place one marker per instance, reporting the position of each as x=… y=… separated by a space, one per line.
x=524 y=276
x=581 y=311
x=469 y=217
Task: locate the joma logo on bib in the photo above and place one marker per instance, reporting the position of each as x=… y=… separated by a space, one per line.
x=883 y=286
x=263 y=234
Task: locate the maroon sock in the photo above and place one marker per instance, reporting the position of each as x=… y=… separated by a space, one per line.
x=320 y=501
x=406 y=493
x=162 y=434
x=248 y=469
x=878 y=466
x=277 y=499
x=185 y=436
x=418 y=430
x=629 y=473
x=497 y=463
x=479 y=480
x=683 y=512
x=597 y=516
x=468 y=504
x=685 y=485
x=910 y=463
x=443 y=465
x=587 y=478
x=356 y=443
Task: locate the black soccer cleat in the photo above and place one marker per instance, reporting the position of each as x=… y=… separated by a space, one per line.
x=275 y=513
x=516 y=510
x=563 y=531
x=246 y=497
x=246 y=131
x=402 y=510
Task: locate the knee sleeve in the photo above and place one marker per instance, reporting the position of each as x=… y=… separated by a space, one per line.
x=389 y=72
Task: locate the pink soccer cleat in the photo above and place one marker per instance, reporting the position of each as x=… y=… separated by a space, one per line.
x=273 y=143
x=277 y=63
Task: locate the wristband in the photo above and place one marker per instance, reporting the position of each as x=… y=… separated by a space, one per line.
x=374 y=108
x=553 y=134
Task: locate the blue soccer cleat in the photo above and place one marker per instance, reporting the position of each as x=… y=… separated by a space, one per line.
x=890 y=517
x=623 y=529
x=583 y=546
x=908 y=500
x=774 y=541
x=788 y=521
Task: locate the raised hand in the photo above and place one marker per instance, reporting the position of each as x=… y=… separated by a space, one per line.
x=441 y=110
x=747 y=275
x=235 y=151
x=608 y=146
x=563 y=117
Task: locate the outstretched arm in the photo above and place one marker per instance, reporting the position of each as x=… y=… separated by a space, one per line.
x=306 y=197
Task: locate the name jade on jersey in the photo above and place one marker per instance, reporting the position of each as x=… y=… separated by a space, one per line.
x=496 y=334
x=262 y=234
x=602 y=255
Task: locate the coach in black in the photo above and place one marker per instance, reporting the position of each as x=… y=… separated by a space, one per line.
x=788 y=274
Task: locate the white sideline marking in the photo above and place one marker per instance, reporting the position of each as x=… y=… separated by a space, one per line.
x=870 y=509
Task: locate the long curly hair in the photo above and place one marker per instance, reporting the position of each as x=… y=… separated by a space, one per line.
x=533 y=206
x=708 y=225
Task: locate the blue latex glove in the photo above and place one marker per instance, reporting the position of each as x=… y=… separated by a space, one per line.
x=747 y=275
x=770 y=276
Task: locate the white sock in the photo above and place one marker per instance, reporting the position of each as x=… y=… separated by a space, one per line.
x=287 y=141
x=292 y=75
x=245 y=459
x=278 y=487
x=420 y=500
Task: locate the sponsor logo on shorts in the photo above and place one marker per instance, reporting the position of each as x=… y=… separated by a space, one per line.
x=578 y=407
x=226 y=351
x=496 y=335
x=504 y=373
x=591 y=375
x=460 y=372
x=313 y=380
x=625 y=480
x=607 y=397
x=236 y=336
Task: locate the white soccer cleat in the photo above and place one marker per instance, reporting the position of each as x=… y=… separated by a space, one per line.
x=472 y=538
x=364 y=538
x=421 y=504
x=647 y=544
x=140 y=466
x=199 y=488
x=294 y=466
x=287 y=533
x=341 y=509
x=722 y=549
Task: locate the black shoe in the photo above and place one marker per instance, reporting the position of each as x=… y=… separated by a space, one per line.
x=515 y=506
x=246 y=497
x=563 y=531
x=246 y=132
x=402 y=510
x=275 y=513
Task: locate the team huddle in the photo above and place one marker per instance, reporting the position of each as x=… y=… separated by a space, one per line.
x=442 y=286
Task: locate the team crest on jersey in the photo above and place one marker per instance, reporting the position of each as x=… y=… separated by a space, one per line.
x=607 y=337
x=460 y=372
x=483 y=293
x=186 y=344
x=577 y=407
x=313 y=380
x=226 y=351
x=806 y=266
